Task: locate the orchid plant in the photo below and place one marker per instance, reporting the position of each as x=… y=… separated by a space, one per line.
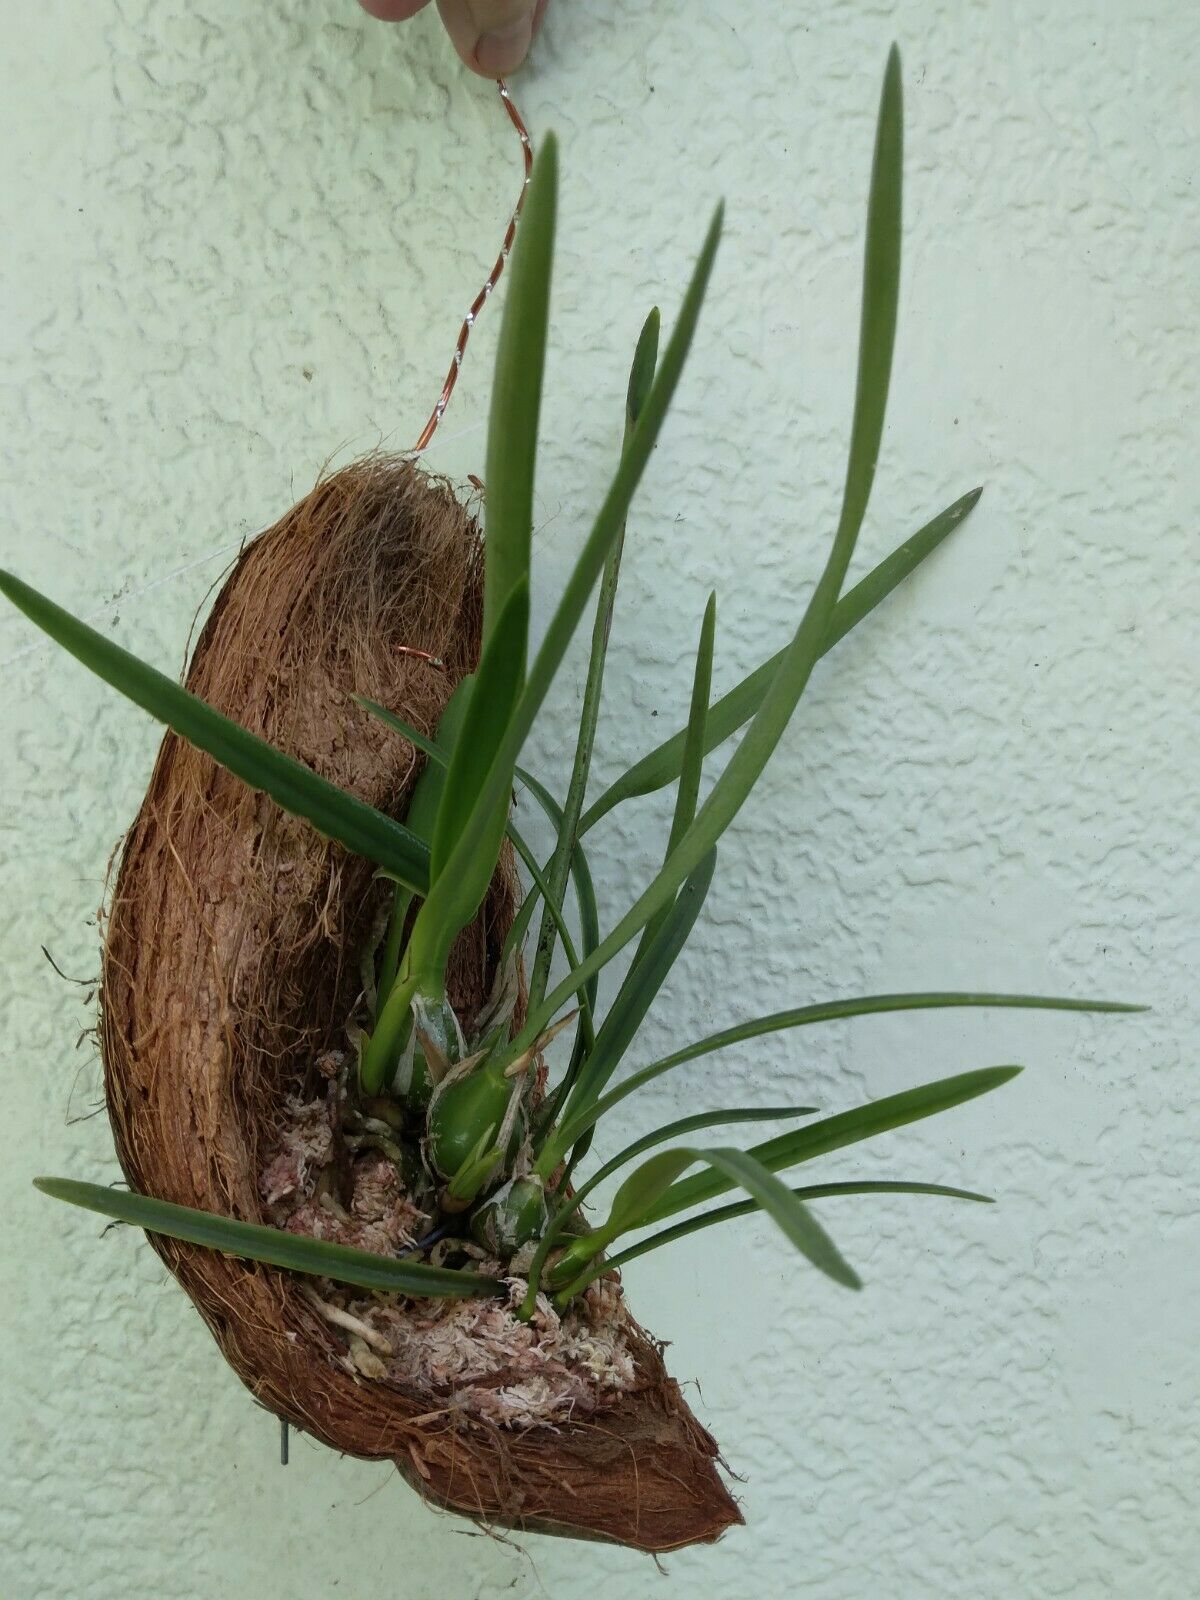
x=490 y=1148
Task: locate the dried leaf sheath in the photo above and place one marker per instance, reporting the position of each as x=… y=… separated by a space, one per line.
x=231 y=961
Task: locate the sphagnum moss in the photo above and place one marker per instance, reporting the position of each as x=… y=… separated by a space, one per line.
x=470 y=1118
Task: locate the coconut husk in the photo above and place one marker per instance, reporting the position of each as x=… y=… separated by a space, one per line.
x=232 y=962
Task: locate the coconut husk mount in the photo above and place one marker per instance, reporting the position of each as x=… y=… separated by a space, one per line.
x=232 y=957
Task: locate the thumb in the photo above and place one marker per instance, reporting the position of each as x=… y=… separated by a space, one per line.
x=492 y=36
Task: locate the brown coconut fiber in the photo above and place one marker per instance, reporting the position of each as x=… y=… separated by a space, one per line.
x=231 y=962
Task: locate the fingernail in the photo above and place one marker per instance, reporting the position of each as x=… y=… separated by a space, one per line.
x=504 y=49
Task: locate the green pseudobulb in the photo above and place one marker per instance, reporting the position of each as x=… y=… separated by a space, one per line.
x=466 y=1114
x=513 y=1216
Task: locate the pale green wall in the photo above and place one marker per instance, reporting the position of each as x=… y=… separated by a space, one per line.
x=236 y=239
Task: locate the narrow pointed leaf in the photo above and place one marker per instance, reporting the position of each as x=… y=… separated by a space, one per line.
x=517 y=396
x=295 y=787
x=643 y=1192
x=421 y=819
x=581 y=874
x=830 y=1011
x=429 y=789
x=293 y=1251
x=881 y=282
x=693 y=757
x=596 y=548
x=641 y=371
x=641 y=376
x=733 y=710
x=451 y=904
x=580 y=871
x=672 y=1130
x=786 y=1211
x=397 y=724
x=720 y=1118
x=488 y=708
x=876 y=1004
x=634 y=999
x=834 y=1133
x=518 y=932
x=644 y=1186
x=693 y=744
x=812 y=1191
x=589 y=931
x=564 y=933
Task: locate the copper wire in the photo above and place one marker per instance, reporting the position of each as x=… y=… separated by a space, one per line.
x=422 y=655
x=481 y=299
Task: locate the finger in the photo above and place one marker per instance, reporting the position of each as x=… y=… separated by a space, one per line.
x=492 y=36
x=393 y=10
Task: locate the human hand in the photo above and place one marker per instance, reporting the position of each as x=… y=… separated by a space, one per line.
x=492 y=36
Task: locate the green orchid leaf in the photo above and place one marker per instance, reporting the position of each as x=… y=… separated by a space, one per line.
x=693 y=757
x=511 y=457
x=644 y=1186
x=847 y=1127
x=438 y=756
x=453 y=901
x=672 y=1130
x=429 y=789
x=641 y=371
x=595 y=552
x=786 y=1211
x=431 y=786
x=645 y=1190
x=641 y=376
x=580 y=872
x=829 y=1011
x=581 y=876
x=693 y=743
x=634 y=999
x=564 y=933
x=812 y=1191
x=300 y=791
x=589 y=921
x=440 y=918
x=517 y=397
x=489 y=705
x=720 y=1118
x=641 y=1192
x=881 y=282
x=421 y=819
x=733 y=710
x=293 y=1251
x=685 y=810
x=517 y=934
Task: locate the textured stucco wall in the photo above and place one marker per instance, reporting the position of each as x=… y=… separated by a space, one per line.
x=237 y=239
